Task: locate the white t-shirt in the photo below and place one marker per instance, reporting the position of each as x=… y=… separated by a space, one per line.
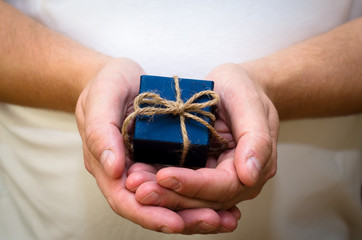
x=45 y=191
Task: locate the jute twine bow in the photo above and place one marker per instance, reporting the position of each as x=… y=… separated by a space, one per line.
x=155 y=105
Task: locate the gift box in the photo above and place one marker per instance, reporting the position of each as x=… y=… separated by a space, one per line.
x=158 y=139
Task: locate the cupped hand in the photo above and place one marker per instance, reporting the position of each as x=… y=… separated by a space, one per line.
x=101 y=109
x=249 y=120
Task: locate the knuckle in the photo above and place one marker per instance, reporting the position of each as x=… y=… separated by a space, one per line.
x=88 y=167
x=87 y=160
x=267 y=145
x=253 y=194
x=175 y=205
x=92 y=140
x=272 y=171
x=230 y=193
x=272 y=168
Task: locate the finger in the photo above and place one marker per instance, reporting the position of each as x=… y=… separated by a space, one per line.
x=80 y=124
x=200 y=221
x=141 y=167
x=136 y=179
x=251 y=157
x=243 y=103
x=255 y=154
x=86 y=157
x=139 y=173
x=104 y=107
x=217 y=185
x=207 y=221
x=228 y=222
x=123 y=203
x=151 y=193
x=235 y=212
x=150 y=217
x=211 y=162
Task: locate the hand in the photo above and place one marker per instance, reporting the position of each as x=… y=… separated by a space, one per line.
x=101 y=109
x=248 y=119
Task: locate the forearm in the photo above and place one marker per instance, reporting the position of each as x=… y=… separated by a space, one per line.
x=316 y=78
x=39 y=67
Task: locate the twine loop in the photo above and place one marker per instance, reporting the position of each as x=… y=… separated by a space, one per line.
x=150 y=104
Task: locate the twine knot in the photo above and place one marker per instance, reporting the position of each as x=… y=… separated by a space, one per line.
x=179 y=109
x=150 y=104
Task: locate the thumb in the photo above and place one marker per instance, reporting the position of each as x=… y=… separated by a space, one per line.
x=104 y=103
x=252 y=154
x=105 y=145
x=251 y=126
x=249 y=115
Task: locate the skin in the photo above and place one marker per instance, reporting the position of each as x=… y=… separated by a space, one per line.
x=252 y=130
x=319 y=77
x=41 y=68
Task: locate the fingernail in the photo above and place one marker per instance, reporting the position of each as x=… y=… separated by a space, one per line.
x=107 y=157
x=204 y=227
x=171 y=183
x=151 y=199
x=166 y=229
x=235 y=212
x=223 y=229
x=254 y=167
x=237 y=215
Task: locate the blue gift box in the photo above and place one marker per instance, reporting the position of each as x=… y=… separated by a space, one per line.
x=158 y=138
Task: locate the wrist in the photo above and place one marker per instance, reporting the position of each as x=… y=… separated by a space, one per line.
x=277 y=74
x=81 y=67
x=89 y=69
x=261 y=73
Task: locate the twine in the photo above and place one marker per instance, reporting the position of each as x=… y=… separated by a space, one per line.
x=155 y=105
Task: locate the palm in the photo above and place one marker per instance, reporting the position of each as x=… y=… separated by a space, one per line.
x=249 y=121
x=100 y=111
